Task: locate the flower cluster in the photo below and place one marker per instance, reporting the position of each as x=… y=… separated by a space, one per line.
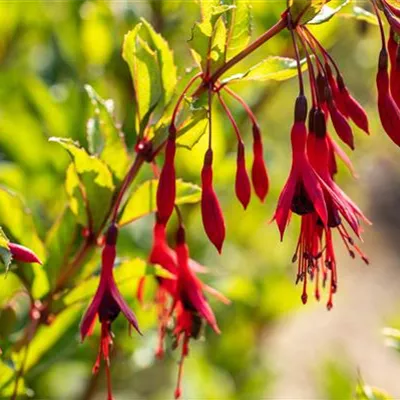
x=310 y=190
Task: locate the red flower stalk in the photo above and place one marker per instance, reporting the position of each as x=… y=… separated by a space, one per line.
x=394 y=54
x=23 y=254
x=213 y=220
x=242 y=182
x=166 y=190
x=107 y=303
x=302 y=193
x=259 y=175
x=388 y=110
x=190 y=305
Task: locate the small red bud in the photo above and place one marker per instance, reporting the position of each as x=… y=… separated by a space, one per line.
x=259 y=175
x=242 y=183
x=213 y=220
x=23 y=254
x=166 y=191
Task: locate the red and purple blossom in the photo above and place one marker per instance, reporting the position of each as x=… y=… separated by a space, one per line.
x=23 y=254
x=107 y=303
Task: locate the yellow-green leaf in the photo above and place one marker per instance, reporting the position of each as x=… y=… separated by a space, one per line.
x=143 y=199
x=271 y=68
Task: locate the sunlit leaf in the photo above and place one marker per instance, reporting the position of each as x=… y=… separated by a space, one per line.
x=146 y=75
x=366 y=392
x=239 y=32
x=328 y=11
x=165 y=59
x=89 y=184
x=143 y=199
x=303 y=11
x=7 y=385
x=271 y=68
x=104 y=137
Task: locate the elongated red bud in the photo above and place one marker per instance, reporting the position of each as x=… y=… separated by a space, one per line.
x=342 y=127
x=259 y=174
x=242 y=182
x=388 y=110
x=394 y=53
x=213 y=220
x=23 y=254
x=166 y=190
x=335 y=91
x=355 y=111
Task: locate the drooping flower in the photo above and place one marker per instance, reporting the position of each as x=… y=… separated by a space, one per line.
x=213 y=219
x=107 y=303
x=242 y=181
x=23 y=254
x=190 y=305
x=302 y=193
x=394 y=54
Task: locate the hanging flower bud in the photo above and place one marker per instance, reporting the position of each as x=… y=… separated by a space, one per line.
x=394 y=53
x=242 y=182
x=354 y=110
x=23 y=254
x=213 y=220
x=166 y=190
x=388 y=110
x=259 y=174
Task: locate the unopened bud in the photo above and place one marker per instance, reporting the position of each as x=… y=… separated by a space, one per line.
x=300 y=110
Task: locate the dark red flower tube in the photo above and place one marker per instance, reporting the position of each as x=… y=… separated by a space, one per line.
x=166 y=190
x=259 y=174
x=213 y=220
x=388 y=110
x=23 y=254
x=242 y=182
x=394 y=53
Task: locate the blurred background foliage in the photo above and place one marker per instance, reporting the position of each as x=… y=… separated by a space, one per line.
x=268 y=348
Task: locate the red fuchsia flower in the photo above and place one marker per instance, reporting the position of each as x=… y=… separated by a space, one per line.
x=302 y=193
x=394 y=54
x=23 y=254
x=315 y=252
x=242 y=181
x=213 y=219
x=166 y=257
x=190 y=305
x=107 y=303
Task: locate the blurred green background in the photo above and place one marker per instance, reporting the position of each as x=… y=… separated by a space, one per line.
x=271 y=345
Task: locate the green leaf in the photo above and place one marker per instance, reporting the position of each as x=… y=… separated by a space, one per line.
x=143 y=199
x=89 y=185
x=60 y=242
x=193 y=129
x=209 y=37
x=166 y=61
x=104 y=137
x=303 y=11
x=18 y=221
x=5 y=254
x=361 y=14
x=146 y=75
x=272 y=68
x=366 y=392
x=7 y=382
x=328 y=11
x=240 y=28
x=392 y=337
